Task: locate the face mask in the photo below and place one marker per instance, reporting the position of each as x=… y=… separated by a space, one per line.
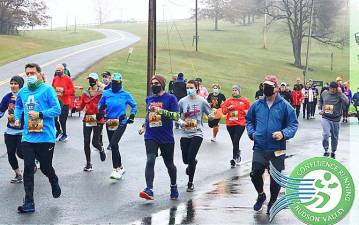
x=106 y=81
x=156 y=89
x=116 y=87
x=92 y=82
x=191 y=92
x=215 y=91
x=58 y=73
x=268 y=90
x=31 y=79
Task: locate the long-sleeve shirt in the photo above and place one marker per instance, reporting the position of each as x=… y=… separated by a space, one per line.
x=332 y=105
x=64 y=87
x=43 y=100
x=8 y=104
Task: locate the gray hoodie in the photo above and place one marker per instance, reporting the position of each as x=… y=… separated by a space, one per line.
x=331 y=105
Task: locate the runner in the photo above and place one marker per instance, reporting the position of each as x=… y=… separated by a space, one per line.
x=66 y=70
x=347 y=93
x=297 y=98
x=64 y=89
x=355 y=101
x=284 y=93
x=308 y=100
x=271 y=121
x=216 y=99
x=315 y=101
x=202 y=89
x=297 y=82
x=93 y=120
x=236 y=108
x=179 y=90
x=38 y=103
x=115 y=101
x=162 y=109
x=259 y=93
x=106 y=80
x=12 y=135
x=192 y=108
x=331 y=105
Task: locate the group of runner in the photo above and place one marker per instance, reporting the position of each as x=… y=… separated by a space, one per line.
x=37 y=114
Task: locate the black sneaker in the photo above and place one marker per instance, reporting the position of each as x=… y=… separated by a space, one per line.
x=332 y=155
x=326 y=154
x=190 y=187
x=102 y=155
x=269 y=206
x=109 y=147
x=56 y=190
x=27 y=207
x=88 y=167
x=16 y=180
x=233 y=163
x=259 y=203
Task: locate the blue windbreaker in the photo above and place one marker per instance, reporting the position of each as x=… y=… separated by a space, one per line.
x=262 y=121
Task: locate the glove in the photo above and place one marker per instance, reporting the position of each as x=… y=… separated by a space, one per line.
x=131 y=119
x=122 y=117
x=100 y=115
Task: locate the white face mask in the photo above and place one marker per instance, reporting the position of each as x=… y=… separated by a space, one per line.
x=31 y=79
x=215 y=91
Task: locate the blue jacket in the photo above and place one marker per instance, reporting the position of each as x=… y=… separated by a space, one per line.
x=44 y=100
x=116 y=104
x=262 y=121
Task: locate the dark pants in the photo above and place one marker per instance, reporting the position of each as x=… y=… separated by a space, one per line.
x=260 y=162
x=60 y=122
x=96 y=139
x=314 y=107
x=345 y=110
x=13 y=147
x=44 y=153
x=236 y=133
x=114 y=137
x=297 y=110
x=307 y=108
x=167 y=151
x=190 y=148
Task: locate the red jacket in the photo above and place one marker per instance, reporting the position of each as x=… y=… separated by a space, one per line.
x=297 y=98
x=236 y=115
x=64 y=88
x=91 y=103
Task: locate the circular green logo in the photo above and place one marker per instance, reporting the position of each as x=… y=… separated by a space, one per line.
x=324 y=191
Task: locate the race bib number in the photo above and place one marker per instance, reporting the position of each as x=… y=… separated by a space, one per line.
x=233 y=116
x=154 y=120
x=328 y=109
x=11 y=120
x=36 y=125
x=112 y=124
x=190 y=125
x=59 y=91
x=90 y=120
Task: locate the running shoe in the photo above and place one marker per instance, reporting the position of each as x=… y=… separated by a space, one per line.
x=147 y=194
x=233 y=163
x=269 y=206
x=190 y=187
x=259 y=203
x=58 y=136
x=64 y=138
x=27 y=207
x=332 y=155
x=56 y=190
x=238 y=161
x=118 y=173
x=109 y=147
x=213 y=139
x=326 y=154
x=88 y=167
x=17 y=179
x=174 y=192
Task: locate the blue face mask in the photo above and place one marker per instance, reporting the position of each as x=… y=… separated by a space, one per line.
x=191 y=92
x=31 y=79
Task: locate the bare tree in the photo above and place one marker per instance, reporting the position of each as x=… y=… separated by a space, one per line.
x=102 y=8
x=213 y=9
x=297 y=15
x=243 y=11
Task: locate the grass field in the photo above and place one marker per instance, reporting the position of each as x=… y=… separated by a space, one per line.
x=32 y=42
x=232 y=56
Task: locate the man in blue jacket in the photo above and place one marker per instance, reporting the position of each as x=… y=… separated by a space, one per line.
x=39 y=103
x=271 y=121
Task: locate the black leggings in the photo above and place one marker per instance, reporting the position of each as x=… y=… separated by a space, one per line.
x=96 y=139
x=167 y=151
x=114 y=137
x=314 y=107
x=60 y=122
x=190 y=148
x=236 y=133
x=345 y=110
x=307 y=108
x=44 y=153
x=297 y=110
x=13 y=147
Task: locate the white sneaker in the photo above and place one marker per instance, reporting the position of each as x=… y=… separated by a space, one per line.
x=213 y=139
x=117 y=173
x=238 y=161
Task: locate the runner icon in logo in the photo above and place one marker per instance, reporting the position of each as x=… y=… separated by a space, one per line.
x=320 y=190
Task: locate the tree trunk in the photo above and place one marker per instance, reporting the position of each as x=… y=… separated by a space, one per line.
x=297 y=51
x=249 y=19
x=253 y=18
x=216 y=23
x=244 y=20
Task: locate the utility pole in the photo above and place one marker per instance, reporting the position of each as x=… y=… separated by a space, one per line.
x=67 y=22
x=75 y=25
x=196 y=25
x=309 y=39
x=51 y=23
x=265 y=27
x=151 y=43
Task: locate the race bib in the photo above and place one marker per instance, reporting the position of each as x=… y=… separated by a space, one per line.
x=112 y=124
x=59 y=91
x=36 y=125
x=11 y=120
x=190 y=125
x=328 y=109
x=154 y=120
x=233 y=116
x=90 y=120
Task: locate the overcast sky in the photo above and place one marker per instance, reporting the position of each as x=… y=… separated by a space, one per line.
x=84 y=10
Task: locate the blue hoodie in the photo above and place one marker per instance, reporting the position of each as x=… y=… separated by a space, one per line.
x=262 y=121
x=44 y=100
x=116 y=104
